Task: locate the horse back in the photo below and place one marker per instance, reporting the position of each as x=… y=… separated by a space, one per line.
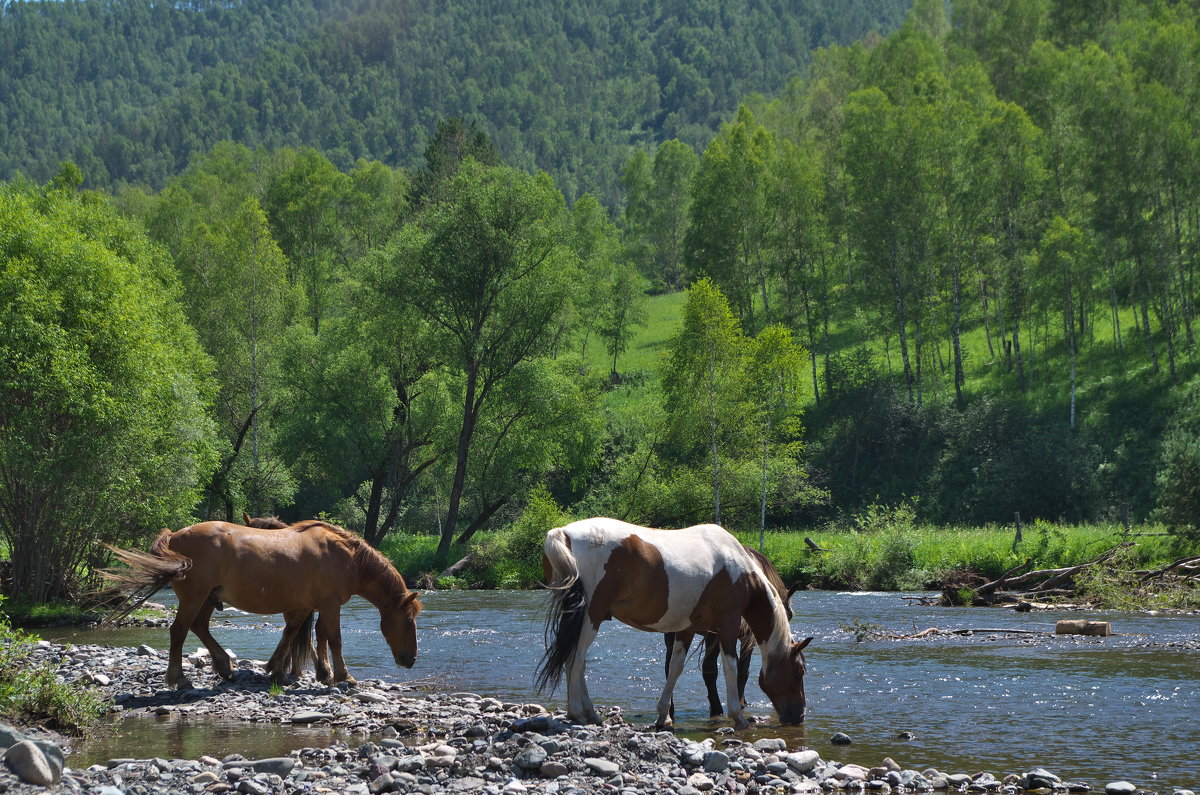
x=265 y=570
x=694 y=579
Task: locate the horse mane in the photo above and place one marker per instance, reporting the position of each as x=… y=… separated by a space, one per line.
x=774 y=579
x=371 y=562
x=266 y=523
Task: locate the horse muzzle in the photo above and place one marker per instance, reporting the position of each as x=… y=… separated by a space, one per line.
x=792 y=717
x=406 y=660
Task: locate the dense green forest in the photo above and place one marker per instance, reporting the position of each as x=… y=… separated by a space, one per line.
x=132 y=90
x=948 y=272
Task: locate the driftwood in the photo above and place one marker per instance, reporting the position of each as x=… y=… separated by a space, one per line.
x=925 y=633
x=1026 y=590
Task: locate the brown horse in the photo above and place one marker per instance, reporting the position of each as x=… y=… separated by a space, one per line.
x=699 y=579
x=309 y=567
x=746 y=642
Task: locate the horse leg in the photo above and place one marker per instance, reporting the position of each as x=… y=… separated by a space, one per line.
x=708 y=668
x=745 y=652
x=678 y=658
x=188 y=609
x=332 y=631
x=220 y=658
x=324 y=674
x=579 y=704
x=285 y=658
x=729 y=662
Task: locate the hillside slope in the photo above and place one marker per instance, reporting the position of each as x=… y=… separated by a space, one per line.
x=131 y=89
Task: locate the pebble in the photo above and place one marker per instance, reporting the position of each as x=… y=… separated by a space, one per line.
x=430 y=743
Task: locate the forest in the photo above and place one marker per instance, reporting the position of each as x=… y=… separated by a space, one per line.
x=131 y=90
x=948 y=271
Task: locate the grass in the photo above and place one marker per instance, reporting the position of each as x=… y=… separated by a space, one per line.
x=884 y=550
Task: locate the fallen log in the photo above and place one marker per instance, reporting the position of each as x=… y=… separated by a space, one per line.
x=1081 y=626
x=1188 y=563
x=990 y=587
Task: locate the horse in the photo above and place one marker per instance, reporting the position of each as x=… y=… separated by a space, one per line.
x=746 y=642
x=698 y=579
x=308 y=567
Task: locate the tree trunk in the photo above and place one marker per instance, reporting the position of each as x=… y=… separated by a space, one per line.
x=470 y=415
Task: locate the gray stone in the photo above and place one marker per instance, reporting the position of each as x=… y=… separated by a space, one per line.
x=552 y=768
x=802 y=761
x=1039 y=778
x=716 y=762
x=840 y=738
x=383 y=783
x=30 y=764
x=602 y=767
x=278 y=765
x=770 y=744
x=409 y=764
x=250 y=787
x=1119 y=788
x=531 y=757
x=310 y=716
x=10 y=736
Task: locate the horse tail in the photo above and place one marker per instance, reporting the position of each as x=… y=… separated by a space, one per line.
x=147 y=573
x=562 y=571
x=301 y=652
x=568 y=609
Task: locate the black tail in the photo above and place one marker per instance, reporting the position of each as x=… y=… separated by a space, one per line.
x=568 y=611
x=302 y=652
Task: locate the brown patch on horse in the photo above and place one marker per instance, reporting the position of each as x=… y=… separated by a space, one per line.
x=634 y=586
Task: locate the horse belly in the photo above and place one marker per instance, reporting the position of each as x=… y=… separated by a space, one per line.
x=269 y=596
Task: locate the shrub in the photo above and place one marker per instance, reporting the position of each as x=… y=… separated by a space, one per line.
x=512 y=558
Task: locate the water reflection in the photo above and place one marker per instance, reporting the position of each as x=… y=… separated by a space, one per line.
x=1088 y=708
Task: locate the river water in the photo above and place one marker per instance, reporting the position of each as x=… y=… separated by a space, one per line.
x=1090 y=709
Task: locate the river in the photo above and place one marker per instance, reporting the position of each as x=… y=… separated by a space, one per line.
x=1088 y=709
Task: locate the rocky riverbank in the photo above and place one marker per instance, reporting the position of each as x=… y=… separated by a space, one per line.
x=413 y=742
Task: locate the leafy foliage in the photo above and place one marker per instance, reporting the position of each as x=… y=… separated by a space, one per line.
x=104 y=424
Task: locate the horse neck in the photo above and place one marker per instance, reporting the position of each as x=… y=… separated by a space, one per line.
x=379 y=589
x=378 y=592
x=767 y=618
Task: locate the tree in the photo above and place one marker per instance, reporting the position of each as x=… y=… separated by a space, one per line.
x=1178 y=479
x=454 y=141
x=103 y=405
x=774 y=378
x=302 y=199
x=488 y=266
x=238 y=296
x=675 y=166
x=704 y=387
x=622 y=311
x=730 y=218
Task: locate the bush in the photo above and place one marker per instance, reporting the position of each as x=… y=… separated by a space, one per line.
x=512 y=558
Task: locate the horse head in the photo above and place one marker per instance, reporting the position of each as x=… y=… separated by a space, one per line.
x=782 y=679
x=399 y=628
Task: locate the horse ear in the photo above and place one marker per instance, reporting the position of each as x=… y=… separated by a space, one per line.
x=245 y=518
x=800 y=646
x=412 y=596
x=795 y=587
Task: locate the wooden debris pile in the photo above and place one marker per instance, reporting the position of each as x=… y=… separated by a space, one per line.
x=1044 y=588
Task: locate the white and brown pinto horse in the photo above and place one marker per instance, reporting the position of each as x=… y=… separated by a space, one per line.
x=699 y=579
